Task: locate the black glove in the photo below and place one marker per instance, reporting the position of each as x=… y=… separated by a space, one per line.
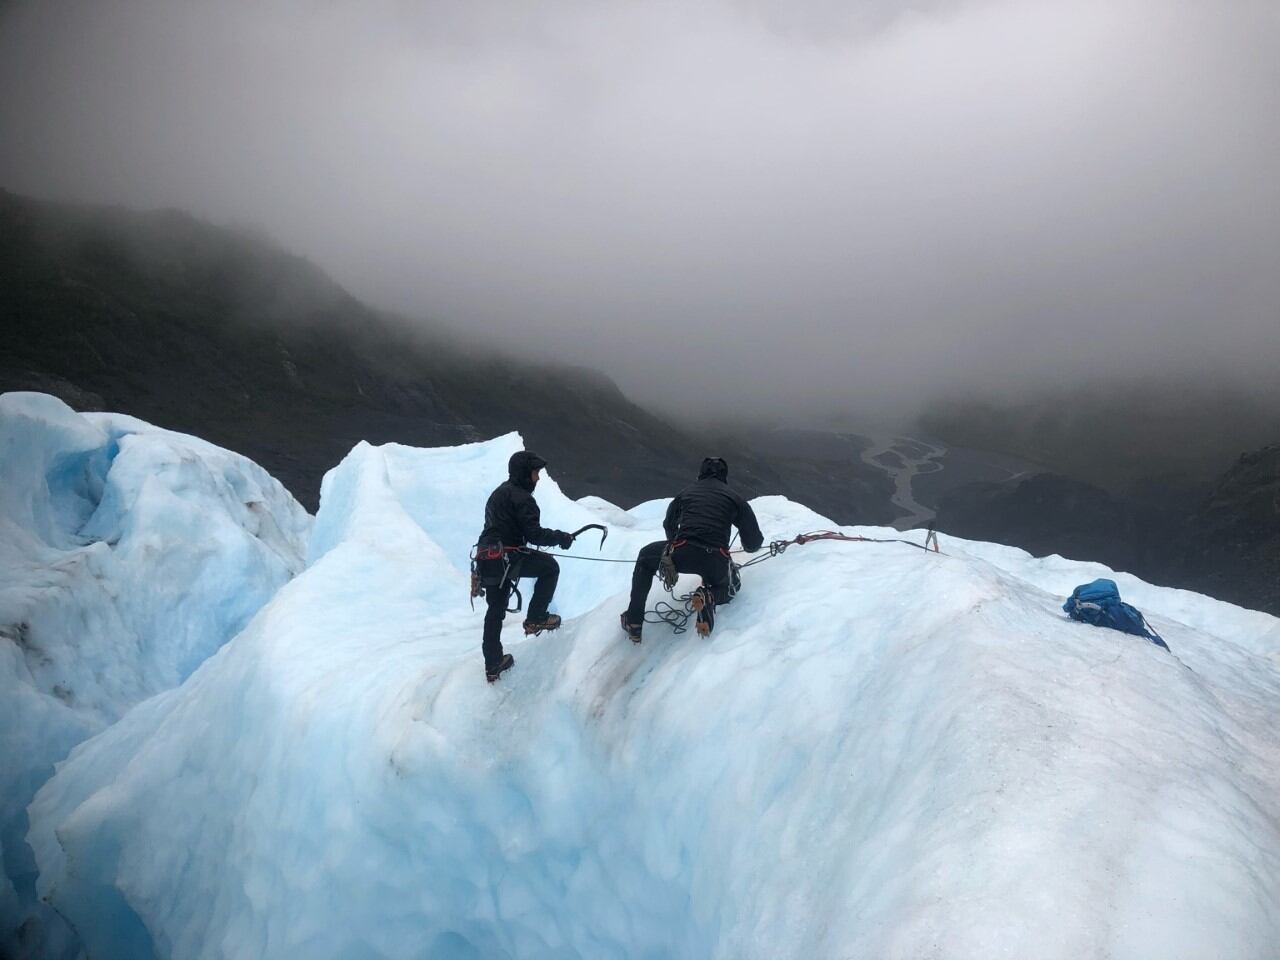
x=565 y=541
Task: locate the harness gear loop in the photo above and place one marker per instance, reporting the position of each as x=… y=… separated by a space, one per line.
x=667 y=572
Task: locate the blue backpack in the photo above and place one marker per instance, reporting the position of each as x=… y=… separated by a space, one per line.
x=1099 y=603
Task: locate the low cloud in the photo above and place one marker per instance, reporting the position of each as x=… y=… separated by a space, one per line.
x=755 y=206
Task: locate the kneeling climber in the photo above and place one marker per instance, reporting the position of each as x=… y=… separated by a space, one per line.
x=512 y=521
x=697 y=528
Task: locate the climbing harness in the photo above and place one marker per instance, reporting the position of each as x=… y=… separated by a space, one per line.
x=483 y=578
x=492 y=553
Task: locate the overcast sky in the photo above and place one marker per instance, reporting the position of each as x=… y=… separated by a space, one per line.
x=720 y=203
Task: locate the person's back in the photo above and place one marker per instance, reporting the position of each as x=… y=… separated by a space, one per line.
x=704 y=512
x=698 y=526
x=503 y=512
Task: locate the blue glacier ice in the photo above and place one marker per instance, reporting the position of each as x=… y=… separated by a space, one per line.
x=128 y=555
x=879 y=753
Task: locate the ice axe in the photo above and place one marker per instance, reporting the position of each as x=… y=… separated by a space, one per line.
x=604 y=532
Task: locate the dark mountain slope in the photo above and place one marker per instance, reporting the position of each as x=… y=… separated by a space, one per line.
x=1135 y=476
x=1047 y=513
x=1232 y=547
x=221 y=334
x=1225 y=543
x=1119 y=435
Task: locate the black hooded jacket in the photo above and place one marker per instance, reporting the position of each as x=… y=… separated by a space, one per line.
x=511 y=515
x=704 y=512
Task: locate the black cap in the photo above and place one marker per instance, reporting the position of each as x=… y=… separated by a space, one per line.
x=714 y=468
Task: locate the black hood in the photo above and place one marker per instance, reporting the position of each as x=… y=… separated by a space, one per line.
x=521 y=466
x=714 y=468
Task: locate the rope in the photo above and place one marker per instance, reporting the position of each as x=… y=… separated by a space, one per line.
x=574 y=556
x=677 y=617
x=778 y=547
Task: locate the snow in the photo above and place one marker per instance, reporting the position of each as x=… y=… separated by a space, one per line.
x=128 y=555
x=880 y=752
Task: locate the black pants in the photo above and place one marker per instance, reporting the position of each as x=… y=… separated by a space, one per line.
x=710 y=564
x=546 y=573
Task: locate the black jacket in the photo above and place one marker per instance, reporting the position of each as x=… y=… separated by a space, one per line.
x=511 y=515
x=703 y=513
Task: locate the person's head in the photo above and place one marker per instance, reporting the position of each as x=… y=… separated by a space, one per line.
x=525 y=469
x=714 y=468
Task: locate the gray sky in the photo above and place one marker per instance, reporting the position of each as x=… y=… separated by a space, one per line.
x=752 y=203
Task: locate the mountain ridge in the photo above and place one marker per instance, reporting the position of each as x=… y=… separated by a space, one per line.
x=221 y=334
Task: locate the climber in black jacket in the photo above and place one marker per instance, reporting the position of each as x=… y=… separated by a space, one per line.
x=697 y=528
x=512 y=522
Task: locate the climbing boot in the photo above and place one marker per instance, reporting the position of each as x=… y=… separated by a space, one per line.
x=549 y=622
x=704 y=605
x=632 y=630
x=506 y=663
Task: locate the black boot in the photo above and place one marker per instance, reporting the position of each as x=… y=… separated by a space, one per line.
x=632 y=630
x=550 y=621
x=704 y=605
x=506 y=663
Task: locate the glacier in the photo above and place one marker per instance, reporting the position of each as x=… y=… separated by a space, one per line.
x=128 y=555
x=880 y=753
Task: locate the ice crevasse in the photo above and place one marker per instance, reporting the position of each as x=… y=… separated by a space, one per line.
x=880 y=753
x=128 y=555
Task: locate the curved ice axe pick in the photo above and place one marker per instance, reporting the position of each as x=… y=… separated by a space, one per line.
x=604 y=532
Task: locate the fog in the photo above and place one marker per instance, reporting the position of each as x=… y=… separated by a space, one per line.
x=761 y=206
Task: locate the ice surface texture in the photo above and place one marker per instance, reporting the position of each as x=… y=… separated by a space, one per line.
x=880 y=753
x=128 y=555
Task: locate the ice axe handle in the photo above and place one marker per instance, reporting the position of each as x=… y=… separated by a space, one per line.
x=604 y=532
